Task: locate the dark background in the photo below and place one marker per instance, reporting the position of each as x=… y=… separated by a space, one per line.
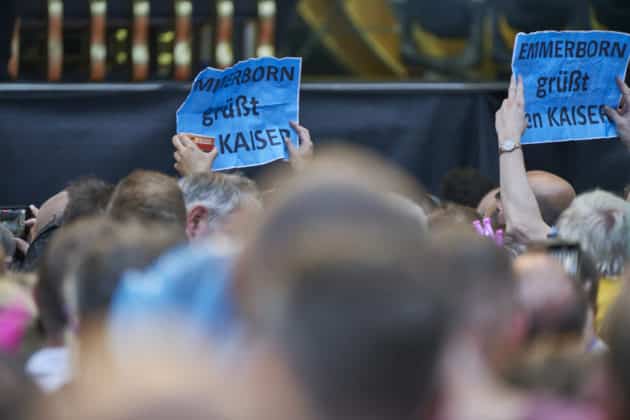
x=51 y=134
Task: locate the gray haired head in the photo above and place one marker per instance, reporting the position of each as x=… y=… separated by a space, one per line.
x=220 y=194
x=600 y=222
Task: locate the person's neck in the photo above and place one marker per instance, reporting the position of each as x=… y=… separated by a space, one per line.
x=471 y=388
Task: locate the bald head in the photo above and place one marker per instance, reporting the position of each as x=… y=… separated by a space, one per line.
x=51 y=210
x=549 y=296
x=553 y=194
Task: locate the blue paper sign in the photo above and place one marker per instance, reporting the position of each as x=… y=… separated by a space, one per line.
x=569 y=77
x=246 y=109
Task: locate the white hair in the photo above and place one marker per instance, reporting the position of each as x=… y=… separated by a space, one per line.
x=600 y=222
x=220 y=194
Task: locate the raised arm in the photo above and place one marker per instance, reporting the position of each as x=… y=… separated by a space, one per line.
x=519 y=203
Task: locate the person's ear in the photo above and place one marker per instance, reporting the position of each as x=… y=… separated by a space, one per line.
x=197 y=222
x=516 y=333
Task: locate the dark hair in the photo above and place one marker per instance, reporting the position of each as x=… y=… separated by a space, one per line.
x=127 y=246
x=336 y=277
x=85 y=262
x=474 y=274
x=367 y=344
x=148 y=196
x=450 y=214
x=60 y=261
x=87 y=197
x=38 y=247
x=465 y=186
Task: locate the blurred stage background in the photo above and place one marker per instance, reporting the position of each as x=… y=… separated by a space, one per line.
x=92 y=86
x=137 y=40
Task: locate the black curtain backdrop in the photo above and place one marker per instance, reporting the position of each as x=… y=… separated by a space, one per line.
x=53 y=134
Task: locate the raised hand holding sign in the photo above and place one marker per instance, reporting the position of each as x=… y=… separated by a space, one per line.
x=246 y=109
x=569 y=80
x=190 y=158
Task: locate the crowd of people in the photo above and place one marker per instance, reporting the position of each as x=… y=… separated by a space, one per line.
x=339 y=290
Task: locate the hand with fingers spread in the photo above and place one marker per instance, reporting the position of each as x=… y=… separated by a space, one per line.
x=510 y=118
x=621 y=116
x=189 y=159
x=300 y=157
